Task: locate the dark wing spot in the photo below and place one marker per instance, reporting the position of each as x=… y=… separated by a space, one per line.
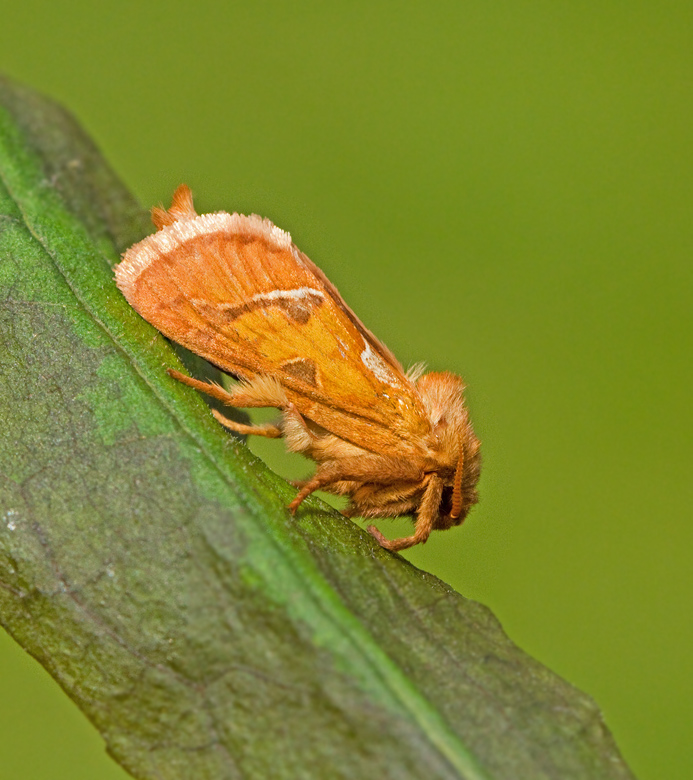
x=296 y=309
x=303 y=369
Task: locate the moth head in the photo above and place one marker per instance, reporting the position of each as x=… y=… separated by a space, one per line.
x=454 y=444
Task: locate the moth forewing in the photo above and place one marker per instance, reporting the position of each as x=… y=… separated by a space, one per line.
x=236 y=291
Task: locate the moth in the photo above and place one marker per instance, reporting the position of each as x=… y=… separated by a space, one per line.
x=235 y=290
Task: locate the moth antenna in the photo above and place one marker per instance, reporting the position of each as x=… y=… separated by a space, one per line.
x=181 y=208
x=456 y=510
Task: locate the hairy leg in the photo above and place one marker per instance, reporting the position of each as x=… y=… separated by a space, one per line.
x=319 y=480
x=428 y=511
x=267 y=430
x=259 y=393
x=327 y=474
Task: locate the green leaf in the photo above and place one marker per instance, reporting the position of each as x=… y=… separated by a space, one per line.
x=148 y=562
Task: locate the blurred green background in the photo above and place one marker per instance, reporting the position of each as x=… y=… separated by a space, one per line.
x=499 y=189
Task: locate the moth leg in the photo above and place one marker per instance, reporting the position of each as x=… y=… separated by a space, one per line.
x=428 y=511
x=259 y=392
x=308 y=487
x=241 y=397
x=208 y=388
x=267 y=430
x=321 y=479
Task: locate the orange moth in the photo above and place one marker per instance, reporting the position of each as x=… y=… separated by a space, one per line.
x=236 y=291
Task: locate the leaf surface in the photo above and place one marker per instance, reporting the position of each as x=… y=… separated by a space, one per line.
x=148 y=562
